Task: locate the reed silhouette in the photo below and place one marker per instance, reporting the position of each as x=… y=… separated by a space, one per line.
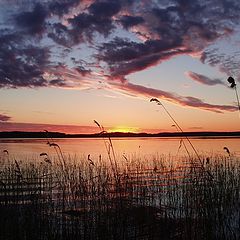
x=188 y=140
x=233 y=85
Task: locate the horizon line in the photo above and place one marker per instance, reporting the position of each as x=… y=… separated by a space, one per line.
x=42 y=134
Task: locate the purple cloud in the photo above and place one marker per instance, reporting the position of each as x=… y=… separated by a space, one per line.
x=203 y=79
x=178 y=28
x=61 y=7
x=105 y=9
x=138 y=90
x=124 y=57
x=33 y=21
x=21 y=65
x=4 y=118
x=226 y=62
x=60 y=34
x=130 y=21
x=85 y=25
x=97 y=19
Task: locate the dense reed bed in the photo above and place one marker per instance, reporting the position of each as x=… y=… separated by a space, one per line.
x=127 y=197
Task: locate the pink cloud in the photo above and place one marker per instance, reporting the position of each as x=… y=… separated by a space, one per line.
x=138 y=90
x=203 y=79
x=4 y=118
x=37 y=127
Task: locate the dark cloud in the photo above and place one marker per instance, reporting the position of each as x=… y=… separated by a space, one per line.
x=104 y=9
x=170 y=22
x=130 y=21
x=21 y=65
x=203 y=79
x=34 y=21
x=186 y=20
x=58 y=82
x=25 y=65
x=4 y=118
x=177 y=27
x=83 y=71
x=227 y=62
x=62 y=35
x=61 y=7
x=124 y=57
x=85 y=25
x=169 y=28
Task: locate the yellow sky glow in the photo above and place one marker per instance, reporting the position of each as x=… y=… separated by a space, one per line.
x=124 y=129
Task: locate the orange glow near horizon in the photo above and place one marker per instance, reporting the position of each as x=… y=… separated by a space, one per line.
x=124 y=129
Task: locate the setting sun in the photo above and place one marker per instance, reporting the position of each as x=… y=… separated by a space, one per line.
x=124 y=129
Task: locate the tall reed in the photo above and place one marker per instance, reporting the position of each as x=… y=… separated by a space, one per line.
x=188 y=140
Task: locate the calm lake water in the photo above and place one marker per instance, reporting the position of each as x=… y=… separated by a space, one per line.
x=122 y=146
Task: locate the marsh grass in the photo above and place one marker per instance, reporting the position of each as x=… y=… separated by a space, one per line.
x=157 y=198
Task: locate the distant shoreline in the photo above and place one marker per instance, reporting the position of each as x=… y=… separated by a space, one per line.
x=45 y=135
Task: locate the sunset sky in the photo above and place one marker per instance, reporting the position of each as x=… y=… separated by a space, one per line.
x=66 y=63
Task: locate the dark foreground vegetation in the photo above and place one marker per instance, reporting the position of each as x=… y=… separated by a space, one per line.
x=70 y=198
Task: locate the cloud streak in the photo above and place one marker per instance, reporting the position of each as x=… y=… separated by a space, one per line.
x=4 y=118
x=35 y=127
x=138 y=90
x=203 y=79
